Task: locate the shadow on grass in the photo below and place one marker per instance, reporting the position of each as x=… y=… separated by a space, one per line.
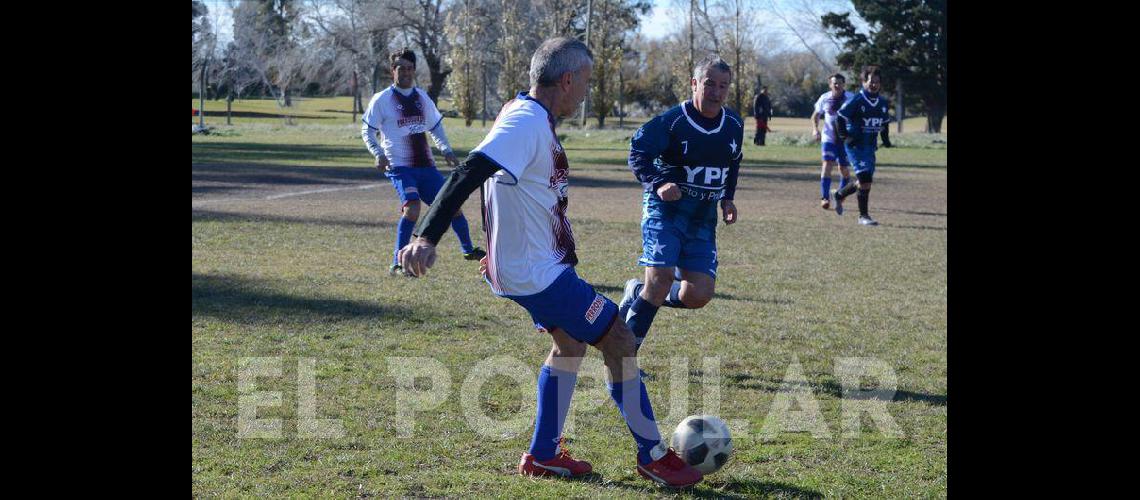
x=732 y=488
x=833 y=389
x=258 y=114
x=923 y=228
x=198 y=215
x=245 y=300
x=237 y=152
x=912 y=212
x=246 y=173
x=619 y=290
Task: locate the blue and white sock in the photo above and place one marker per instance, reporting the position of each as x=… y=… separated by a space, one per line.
x=640 y=420
x=555 y=388
x=825 y=188
x=403 y=235
x=459 y=225
x=640 y=318
x=674 y=299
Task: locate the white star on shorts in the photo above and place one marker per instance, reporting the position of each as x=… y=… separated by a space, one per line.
x=657 y=248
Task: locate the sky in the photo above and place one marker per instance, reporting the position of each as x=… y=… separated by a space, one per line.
x=663 y=19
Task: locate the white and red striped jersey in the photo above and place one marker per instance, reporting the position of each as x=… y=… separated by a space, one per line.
x=402 y=121
x=529 y=239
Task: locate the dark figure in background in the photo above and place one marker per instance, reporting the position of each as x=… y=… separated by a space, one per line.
x=762 y=110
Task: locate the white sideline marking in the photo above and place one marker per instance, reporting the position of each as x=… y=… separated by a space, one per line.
x=325 y=190
x=285 y=195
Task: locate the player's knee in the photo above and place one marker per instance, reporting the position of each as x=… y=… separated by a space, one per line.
x=696 y=298
x=619 y=344
x=568 y=349
x=657 y=287
x=412 y=210
x=458 y=214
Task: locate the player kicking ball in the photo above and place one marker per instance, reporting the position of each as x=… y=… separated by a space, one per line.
x=524 y=172
x=861 y=120
x=687 y=159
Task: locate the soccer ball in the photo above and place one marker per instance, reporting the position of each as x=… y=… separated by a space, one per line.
x=703 y=442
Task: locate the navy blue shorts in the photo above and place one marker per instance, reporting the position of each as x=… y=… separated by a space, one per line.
x=863 y=159
x=416 y=183
x=832 y=151
x=663 y=245
x=570 y=303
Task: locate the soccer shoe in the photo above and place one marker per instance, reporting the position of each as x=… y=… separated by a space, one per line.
x=561 y=465
x=628 y=297
x=825 y=203
x=838 y=203
x=395 y=269
x=475 y=254
x=670 y=470
x=866 y=220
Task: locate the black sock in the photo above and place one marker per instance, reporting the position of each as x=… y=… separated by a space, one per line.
x=846 y=191
x=864 y=196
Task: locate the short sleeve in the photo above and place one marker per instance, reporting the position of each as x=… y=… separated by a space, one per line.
x=514 y=140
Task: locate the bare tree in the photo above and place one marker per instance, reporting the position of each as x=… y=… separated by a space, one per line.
x=268 y=44
x=422 y=22
x=516 y=44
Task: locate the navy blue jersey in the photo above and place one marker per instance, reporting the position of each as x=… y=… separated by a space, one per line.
x=866 y=116
x=701 y=155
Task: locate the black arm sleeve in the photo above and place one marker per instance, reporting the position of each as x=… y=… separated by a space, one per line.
x=463 y=181
x=885 y=134
x=841 y=128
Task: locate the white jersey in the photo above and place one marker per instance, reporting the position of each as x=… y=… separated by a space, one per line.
x=402 y=121
x=824 y=108
x=529 y=240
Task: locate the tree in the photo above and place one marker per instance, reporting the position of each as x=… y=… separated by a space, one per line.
x=516 y=45
x=268 y=38
x=615 y=18
x=907 y=39
x=423 y=22
x=467 y=28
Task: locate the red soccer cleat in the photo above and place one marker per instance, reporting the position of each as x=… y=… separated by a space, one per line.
x=561 y=465
x=670 y=470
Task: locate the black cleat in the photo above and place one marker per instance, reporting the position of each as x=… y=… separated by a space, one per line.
x=475 y=254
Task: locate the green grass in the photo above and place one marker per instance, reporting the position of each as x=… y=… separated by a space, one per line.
x=305 y=277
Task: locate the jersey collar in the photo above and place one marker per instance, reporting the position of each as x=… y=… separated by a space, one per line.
x=868 y=99
x=698 y=127
x=525 y=95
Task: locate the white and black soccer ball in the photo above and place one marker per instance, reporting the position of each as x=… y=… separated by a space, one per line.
x=703 y=442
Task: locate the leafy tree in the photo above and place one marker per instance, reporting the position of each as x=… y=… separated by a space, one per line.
x=907 y=39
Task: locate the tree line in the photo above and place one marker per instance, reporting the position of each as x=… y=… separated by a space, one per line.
x=478 y=51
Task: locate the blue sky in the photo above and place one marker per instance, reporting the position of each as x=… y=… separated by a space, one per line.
x=663 y=19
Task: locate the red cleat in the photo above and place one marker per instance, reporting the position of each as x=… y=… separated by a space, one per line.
x=561 y=465
x=670 y=470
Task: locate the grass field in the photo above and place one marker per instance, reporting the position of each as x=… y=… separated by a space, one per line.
x=292 y=232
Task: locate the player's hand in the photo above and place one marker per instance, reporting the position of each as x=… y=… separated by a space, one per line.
x=451 y=160
x=815 y=135
x=382 y=164
x=849 y=140
x=887 y=144
x=483 y=267
x=416 y=257
x=669 y=192
x=729 y=210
